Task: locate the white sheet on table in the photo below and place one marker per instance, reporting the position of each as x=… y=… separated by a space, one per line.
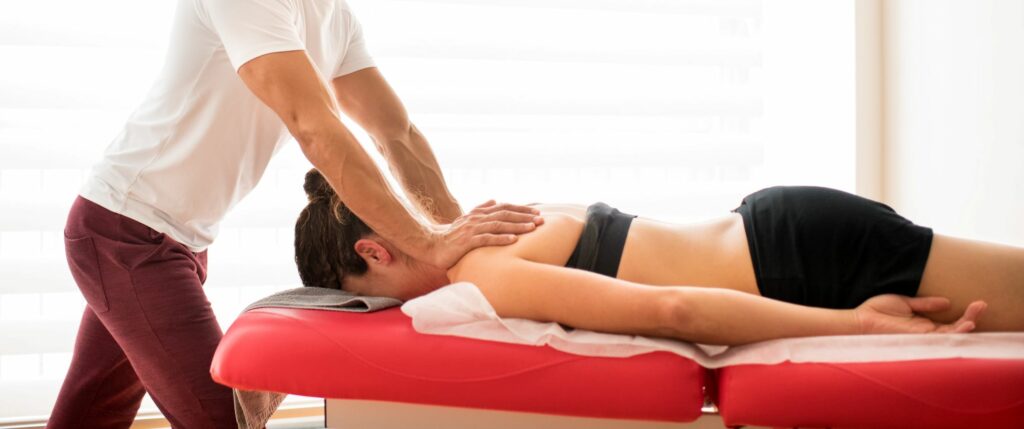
x=460 y=309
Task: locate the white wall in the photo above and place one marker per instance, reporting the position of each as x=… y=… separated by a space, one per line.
x=809 y=93
x=953 y=122
x=868 y=97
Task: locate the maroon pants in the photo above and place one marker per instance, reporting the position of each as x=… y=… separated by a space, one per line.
x=147 y=327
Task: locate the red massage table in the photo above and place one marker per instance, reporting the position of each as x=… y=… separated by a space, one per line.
x=376 y=371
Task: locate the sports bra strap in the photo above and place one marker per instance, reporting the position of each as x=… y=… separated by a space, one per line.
x=599 y=249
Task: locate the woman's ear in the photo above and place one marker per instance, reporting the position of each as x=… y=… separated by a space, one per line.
x=372 y=252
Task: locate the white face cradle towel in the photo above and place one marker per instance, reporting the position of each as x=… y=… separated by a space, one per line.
x=460 y=309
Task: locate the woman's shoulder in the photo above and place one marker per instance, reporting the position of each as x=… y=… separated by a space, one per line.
x=551 y=243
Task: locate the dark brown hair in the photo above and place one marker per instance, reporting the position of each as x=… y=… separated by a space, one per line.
x=325 y=234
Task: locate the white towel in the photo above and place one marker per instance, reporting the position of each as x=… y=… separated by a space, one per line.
x=460 y=309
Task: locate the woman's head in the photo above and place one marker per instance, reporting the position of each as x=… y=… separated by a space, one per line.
x=335 y=249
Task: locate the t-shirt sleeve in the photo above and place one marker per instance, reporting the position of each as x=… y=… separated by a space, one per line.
x=357 y=56
x=251 y=28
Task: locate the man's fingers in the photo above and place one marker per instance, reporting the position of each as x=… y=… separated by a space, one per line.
x=928 y=304
x=481 y=240
x=486 y=204
x=512 y=217
x=499 y=227
x=492 y=208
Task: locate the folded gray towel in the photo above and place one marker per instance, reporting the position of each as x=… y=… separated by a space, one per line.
x=253 y=409
x=322 y=298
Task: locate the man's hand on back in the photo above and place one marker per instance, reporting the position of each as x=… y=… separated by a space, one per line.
x=489 y=224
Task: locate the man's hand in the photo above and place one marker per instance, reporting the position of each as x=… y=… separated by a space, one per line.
x=895 y=314
x=489 y=224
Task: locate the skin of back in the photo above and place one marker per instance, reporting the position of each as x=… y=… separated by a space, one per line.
x=711 y=253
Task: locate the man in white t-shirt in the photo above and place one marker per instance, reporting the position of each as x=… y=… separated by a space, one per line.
x=241 y=77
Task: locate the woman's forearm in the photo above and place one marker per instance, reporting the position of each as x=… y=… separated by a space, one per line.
x=724 y=316
x=413 y=163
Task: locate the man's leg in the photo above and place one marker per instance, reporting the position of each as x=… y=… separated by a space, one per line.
x=100 y=389
x=166 y=327
x=145 y=289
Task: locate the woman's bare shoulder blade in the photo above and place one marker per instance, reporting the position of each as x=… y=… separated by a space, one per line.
x=551 y=243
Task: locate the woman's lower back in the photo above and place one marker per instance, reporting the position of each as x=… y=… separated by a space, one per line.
x=711 y=253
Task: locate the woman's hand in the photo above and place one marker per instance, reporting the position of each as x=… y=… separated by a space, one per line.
x=489 y=224
x=895 y=314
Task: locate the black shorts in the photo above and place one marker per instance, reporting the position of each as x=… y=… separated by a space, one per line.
x=827 y=248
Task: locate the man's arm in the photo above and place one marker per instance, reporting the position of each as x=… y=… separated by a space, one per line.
x=288 y=83
x=366 y=97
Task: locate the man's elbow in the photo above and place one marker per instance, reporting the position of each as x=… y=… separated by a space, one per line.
x=393 y=136
x=322 y=145
x=313 y=133
x=308 y=137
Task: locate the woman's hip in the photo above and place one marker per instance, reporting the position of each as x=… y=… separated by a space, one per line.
x=828 y=248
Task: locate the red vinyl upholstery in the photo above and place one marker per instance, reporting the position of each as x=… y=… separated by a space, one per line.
x=946 y=393
x=379 y=356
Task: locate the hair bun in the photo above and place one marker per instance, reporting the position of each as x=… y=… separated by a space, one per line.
x=316 y=186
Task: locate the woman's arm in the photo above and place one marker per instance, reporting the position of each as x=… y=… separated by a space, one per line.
x=519 y=288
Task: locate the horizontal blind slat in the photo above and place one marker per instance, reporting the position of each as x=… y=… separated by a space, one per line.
x=52 y=275
x=497 y=88
x=734 y=8
x=17 y=337
x=34 y=24
x=464 y=149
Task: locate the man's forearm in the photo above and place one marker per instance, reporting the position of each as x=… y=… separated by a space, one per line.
x=290 y=85
x=352 y=173
x=414 y=165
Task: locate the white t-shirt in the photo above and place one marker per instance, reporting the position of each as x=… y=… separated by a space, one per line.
x=200 y=140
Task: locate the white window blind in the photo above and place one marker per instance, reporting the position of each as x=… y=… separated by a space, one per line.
x=671 y=109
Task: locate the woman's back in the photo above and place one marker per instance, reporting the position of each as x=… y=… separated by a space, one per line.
x=711 y=253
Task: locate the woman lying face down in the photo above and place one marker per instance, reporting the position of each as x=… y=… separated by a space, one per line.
x=853 y=266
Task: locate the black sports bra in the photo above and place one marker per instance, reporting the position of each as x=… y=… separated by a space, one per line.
x=604 y=235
